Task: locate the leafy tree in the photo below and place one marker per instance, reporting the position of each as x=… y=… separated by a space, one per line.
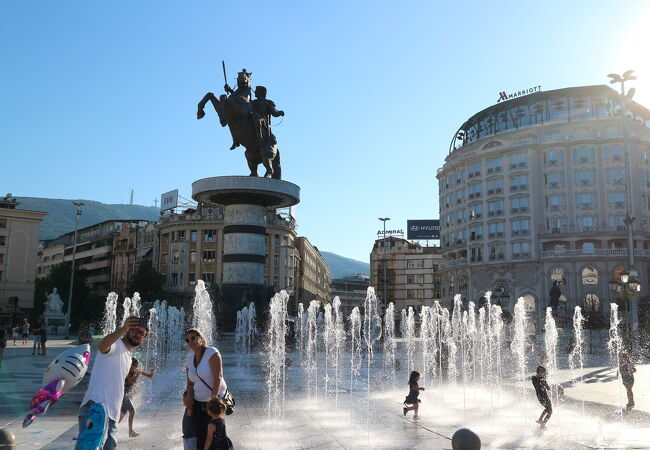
x=59 y=277
x=147 y=282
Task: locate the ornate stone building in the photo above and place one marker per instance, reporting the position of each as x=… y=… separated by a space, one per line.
x=534 y=191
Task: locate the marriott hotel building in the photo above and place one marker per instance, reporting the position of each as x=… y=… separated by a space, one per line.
x=534 y=191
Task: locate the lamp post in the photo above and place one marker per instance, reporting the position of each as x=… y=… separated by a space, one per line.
x=629 y=218
x=74 y=252
x=627 y=288
x=385 y=219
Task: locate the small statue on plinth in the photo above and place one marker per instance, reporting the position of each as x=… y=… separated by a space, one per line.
x=54 y=304
x=249 y=122
x=555 y=293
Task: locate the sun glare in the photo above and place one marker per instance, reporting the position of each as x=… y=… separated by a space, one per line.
x=634 y=56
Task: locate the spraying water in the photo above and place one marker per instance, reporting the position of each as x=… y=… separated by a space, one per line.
x=202 y=314
x=390 y=345
x=550 y=344
x=355 y=348
x=126 y=310
x=410 y=339
x=312 y=348
x=301 y=329
x=277 y=355
x=109 y=323
x=339 y=344
x=518 y=347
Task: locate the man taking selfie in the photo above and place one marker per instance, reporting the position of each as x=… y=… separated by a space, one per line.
x=112 y=364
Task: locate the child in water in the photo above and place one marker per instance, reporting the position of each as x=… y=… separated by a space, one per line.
x=414 y=390
x=627 y=369
x=217 y=439
x=541 y=389
x=129 y=384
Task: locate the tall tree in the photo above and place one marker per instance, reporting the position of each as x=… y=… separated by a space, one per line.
x=147 y=282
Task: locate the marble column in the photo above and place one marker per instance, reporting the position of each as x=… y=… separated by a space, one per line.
x=244 y=244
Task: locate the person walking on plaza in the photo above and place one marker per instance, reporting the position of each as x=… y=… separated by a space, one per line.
x=36 y=334
x=112 y=364
x=14 y=333
x=217 y=439
x=627 y=369
x=42 y=325
x=129 y=384
x=3 y=342
x=542 y=389
x=204 y=380
x=412 y=398
x=26 y=328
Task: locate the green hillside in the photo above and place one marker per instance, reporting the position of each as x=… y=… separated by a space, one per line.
x=340 y=266
x=61 y=213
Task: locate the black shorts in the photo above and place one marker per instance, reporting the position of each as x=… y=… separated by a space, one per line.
x=546 y=403
x=127 y=405
x=25 y=335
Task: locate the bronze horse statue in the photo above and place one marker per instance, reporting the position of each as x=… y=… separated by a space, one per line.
x=249 y=124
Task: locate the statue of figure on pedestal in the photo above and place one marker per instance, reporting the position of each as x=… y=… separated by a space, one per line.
x=555 y=293
x=249 y=122
x=54 y=304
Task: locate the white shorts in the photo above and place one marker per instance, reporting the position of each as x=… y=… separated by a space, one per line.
x=37 y=339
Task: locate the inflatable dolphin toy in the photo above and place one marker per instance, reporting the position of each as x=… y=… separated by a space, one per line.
x=64 y=373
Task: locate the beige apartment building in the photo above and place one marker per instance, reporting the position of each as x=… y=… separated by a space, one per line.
x=19 y=231
x=133 y=243
x=315 y=280
x=412 y=273
x=94 y=252
x=533 y=191
x=191 y=248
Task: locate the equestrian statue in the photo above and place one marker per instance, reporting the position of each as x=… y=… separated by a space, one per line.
x=249 y=121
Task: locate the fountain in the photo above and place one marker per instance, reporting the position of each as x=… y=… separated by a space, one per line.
x=355 y=348
x=276 y=352
x=312 y=349
x=202 y=315
x=339 y=344
x=301 y=324
x=109 y=323
x=518 y=348
x=410 y=340
x=245 y=329
x=390 y=346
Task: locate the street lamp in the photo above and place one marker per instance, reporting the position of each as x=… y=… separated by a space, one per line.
x=627 y=288
x=74 y=252
x=629 y=218
x=384 y=219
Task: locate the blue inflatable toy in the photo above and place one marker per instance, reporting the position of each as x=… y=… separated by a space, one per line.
x=95 y=430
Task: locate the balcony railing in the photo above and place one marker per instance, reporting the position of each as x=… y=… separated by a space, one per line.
x=595 y=252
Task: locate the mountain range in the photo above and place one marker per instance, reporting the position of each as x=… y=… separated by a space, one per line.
x=61 y=214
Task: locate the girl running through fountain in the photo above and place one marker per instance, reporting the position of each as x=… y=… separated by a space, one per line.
x=542 y=389
x=217 y=439
x=129 y=384
x=412 y=399
x=627 y=369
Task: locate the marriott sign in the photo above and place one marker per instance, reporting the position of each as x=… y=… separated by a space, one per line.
x=503 y=95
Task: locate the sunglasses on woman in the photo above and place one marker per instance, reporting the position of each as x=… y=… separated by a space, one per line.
x=193 y=338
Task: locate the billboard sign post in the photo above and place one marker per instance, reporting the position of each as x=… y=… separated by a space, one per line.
x=423 y=229
x=169 y=200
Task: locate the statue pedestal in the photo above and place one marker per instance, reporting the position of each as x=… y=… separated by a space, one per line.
x=56 y=322
x=245 y=201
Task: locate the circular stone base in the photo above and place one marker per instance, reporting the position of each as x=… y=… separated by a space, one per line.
x=241 y=190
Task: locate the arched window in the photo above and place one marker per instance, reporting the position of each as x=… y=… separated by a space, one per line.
x=589 y=276
x=591 y=303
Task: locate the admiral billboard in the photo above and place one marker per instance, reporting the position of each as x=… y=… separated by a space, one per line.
x=423 y=229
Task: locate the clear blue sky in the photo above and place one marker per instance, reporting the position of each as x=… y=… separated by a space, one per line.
x=98 y=97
